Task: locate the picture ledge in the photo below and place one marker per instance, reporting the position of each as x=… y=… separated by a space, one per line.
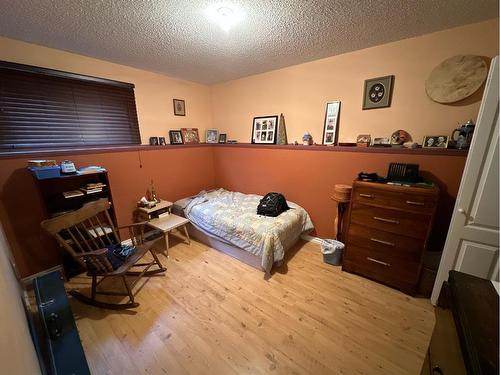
x=328 y=148
x=104 y=149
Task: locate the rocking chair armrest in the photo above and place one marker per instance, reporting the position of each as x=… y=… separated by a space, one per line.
x=132 y=225
x=93 y=253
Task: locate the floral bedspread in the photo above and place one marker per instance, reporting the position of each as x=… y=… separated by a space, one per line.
x=232 y=217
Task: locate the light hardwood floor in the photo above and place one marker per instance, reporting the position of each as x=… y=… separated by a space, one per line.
x=211 y=314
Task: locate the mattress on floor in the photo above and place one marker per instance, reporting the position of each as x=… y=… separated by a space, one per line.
x=232 y=217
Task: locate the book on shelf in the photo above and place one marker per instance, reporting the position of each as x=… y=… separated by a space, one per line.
x=72 y=193
x=94 y=187
x=91 y=191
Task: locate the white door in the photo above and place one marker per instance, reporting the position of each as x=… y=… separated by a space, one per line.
x=472 y=242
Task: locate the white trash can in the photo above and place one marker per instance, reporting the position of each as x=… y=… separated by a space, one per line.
x=332 y=251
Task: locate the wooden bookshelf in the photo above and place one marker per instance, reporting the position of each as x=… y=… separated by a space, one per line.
x=55 y=203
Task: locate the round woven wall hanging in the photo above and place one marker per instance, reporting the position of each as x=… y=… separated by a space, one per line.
x=456 y=78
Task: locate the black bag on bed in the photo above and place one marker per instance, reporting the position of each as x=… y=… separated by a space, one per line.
x=272 y=204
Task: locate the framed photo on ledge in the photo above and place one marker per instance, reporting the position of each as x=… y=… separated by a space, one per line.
x=264 y=129
x=435 y=141
x=175 y=137
x=190 y=135
x=330 y=127
x=212 y=136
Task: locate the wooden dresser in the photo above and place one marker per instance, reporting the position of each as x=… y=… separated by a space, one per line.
x=387 y=231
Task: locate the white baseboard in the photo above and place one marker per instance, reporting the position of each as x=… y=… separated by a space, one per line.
x=309 y=238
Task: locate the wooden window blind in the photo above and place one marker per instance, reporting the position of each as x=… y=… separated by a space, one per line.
x=43 y=108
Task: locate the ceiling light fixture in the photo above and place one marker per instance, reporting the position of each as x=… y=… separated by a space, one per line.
x=225 y=14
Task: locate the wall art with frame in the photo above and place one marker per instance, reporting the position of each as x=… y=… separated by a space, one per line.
x=211 y=136
x=175 y=137
x=378 y=92
x=330 y=126
x=179 y=107
x=265 y=129
x=190 y=135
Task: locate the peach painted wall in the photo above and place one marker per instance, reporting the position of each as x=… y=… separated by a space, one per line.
x=153 y=92
x=300 y=92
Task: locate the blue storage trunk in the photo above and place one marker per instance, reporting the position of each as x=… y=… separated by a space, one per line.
x=62 y=349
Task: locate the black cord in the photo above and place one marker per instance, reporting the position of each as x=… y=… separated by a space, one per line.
x=140 y=160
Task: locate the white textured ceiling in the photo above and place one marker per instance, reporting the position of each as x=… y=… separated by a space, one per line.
x=174 y=37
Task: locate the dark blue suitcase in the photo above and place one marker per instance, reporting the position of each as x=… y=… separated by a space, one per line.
x=63 y=350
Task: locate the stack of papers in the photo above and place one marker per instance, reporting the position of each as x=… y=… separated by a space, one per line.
x=91 y=169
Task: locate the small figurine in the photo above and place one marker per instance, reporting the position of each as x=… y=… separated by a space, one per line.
x=410 y=144
x=153 y=193
x=307 y=139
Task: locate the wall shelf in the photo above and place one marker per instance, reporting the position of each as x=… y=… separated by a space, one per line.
x=379 y=150
x=98 y=150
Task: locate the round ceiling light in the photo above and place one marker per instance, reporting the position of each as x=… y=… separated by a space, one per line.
x=225 y=11
x=224 y=14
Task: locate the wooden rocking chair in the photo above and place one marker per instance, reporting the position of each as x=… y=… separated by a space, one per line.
x=89 y=236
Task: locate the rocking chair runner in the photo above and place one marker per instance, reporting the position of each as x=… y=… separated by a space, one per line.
x=89 y=236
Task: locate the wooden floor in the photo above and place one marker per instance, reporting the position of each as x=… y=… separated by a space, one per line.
x=211 y=314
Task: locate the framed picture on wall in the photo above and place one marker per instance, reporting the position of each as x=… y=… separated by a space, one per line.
x=264 y=129
x=190 y=135
x=222 y=138
x=435 y=141
x=212 y=136
x=179 y=107
x=378 y=92
x=330 y=126
x=175 y=137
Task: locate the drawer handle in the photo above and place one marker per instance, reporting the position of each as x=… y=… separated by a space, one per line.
x=437 y=370
x=366 y=195
x=378 y=261
x=392 y=221
x=382 y=242
x=413 y=203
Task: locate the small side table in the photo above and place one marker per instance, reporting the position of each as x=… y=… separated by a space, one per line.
x=146 y=214
x=168 y=223
x=341 y=197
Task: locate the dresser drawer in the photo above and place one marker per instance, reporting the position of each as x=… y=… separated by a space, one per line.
x=402 y=275
x=392 y=245
x=394 y=221
x=408 y=201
